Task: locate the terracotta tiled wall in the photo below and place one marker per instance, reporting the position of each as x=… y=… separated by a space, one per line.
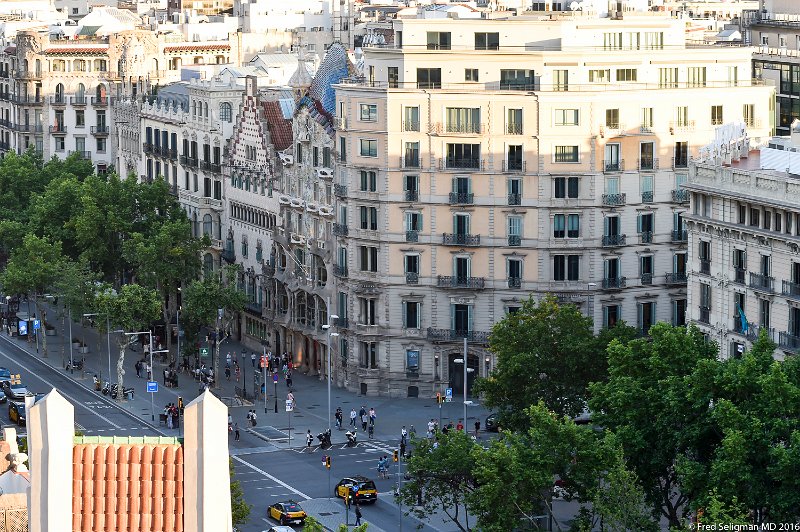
x=127 y=488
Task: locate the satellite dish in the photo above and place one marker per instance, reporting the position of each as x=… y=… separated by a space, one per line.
x=575 y=6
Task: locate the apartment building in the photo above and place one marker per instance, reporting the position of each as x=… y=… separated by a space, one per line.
x=774 y=31
x=485 y=161
x=744 y=233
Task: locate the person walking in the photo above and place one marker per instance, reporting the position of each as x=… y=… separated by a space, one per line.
x=358 y=514
x=289 y=379
x=253 y=418
x=372 y=416
x=249 y=417
x=309 y=439
x=338 y=417
x=253 y=359
x=228 y=373
x=235 y=432
x=169 y=419
x=371 y=431
x=364 y=422
x=138 y=367
x=477 y=427
x=228 y=359
x=353 y=417
x=403 y=448
x=237 y=371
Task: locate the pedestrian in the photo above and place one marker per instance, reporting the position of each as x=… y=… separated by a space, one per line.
x=249 y=417
x=412 y=432
x=403 y=435
x=289 y=380
x=149 y=372
x=228 y=372
x=358 y=514
x=372 y=416
x=236 y=432
x=431 y=426
x=403 y=448
x=353 y=417
x=364 y=422
x=460 y=426
x=253 y=359
x=138 y=367
x=169 y=419
x=237 y=370
x=228 y=359
x=309 y=439
x=371 y=431
x=253 y=418
x=477 y=427
x=166 y=376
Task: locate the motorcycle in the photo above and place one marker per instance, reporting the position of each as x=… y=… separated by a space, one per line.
x=352 y=438
x=324 y=439
x=112 y=389
x=77 y=364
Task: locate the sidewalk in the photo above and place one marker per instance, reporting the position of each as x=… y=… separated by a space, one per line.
x=331 y=513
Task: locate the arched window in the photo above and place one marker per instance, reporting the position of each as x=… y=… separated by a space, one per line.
x=60 y=93
x=100 y=94
x=80 y=92
x=225 y=112
x=208 y=264
x=208 y=226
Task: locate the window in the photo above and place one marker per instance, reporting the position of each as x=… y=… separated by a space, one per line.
x=368 y=258
x=748 y=113
x=764 y=313
x=412 y=264
x=696 y=76
x=470 y=74
x=394 y=77
x=463 y=119
x=413 y=221
x=515 y=225
x=647 y=316
x=559 y=226
x=611 y=315
x=369 y=112
x=612 y=41
x=369 y=180
x=600 y=76
x=560 y=80
x=565 y=187
x=647 y=159
x=647 y=118
x=487 y=41
x=101 y=146
x=367 y=311
x=411 y=315
x=733 y=75
x=438 y=40
x=80 y=118
x=368 y=355
x=566 y=117
x=646 y=268
x=463 y=155
x=411 y=184
x=612 y=118
x=368 y=147
x=412 y=361
x=653 y=40
x=566 y=154
x=755 y=217
x=681 y=154
x=573 y=226
x=369 y=218
x=626 y=74
x=514 y=157
x=343 y=149
x=682 y=116
x=225 y=112
x=566 y=267
x=429 y=78
x=59 y=144
x=244 y=247
x=667 y=78
x=516 y=79
x=716 y=115
x=410 y=118
x=514 y=122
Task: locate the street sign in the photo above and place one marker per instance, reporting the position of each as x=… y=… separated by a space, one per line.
x=289 y=405
x=152 y=386
x=203 y=351
x=448 y=395
x=274 y=377
x=36 y=325
x=23 y=328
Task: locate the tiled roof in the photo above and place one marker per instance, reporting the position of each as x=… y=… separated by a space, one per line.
x=280 y=129
x=76 y=50
x=127 y=487
x=197 y=47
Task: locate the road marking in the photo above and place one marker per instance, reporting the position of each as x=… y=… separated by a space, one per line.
x=280 y=482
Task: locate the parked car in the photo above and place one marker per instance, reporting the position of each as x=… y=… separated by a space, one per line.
x=287 y=512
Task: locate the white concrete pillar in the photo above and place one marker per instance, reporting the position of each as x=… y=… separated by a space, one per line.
x=207 y=486
x=51 y=429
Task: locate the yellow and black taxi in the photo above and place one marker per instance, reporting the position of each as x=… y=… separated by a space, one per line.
x=360 y=489
x=16 y=412
x=287 y=512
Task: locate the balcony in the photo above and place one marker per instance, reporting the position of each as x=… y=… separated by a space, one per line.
x=790 y=289
x=340 y=229
x=410 y=161
x=461 y=239
x=409 y=126
x=85 y=155
x=761 y=282
x=681 y=126
x=339 y=270
x=58 y=100
x=514 y=241
x=99 y=130
x=342 y=323
x=411 y=195
x=613 y=200
x=614 y=165
x=705 y=315
x=447 y=281
x=679 y=235
x=453 y=163
x=147 y=147
x=458 y=128
x=170 y=154
x=754 y=331
x=228 y=255
x=28 y=100
x=647 y=278
x=189 y=161
x=79 y=100
x=515 y=199
x=412 y=236
x=738 y=275
x=680 y=162
x=513 y=129
x=340 y=190
x=681 y=196
x=789 y=342
x=58 y=129
x=512 y=167
x=100 y=101
x=646 y=237
x=705 y=267
x=515 y=282
x=412 y=278
x=454 y=335
x=611 y=241
x=647 y=196
x=462 y=198
x=673 y=278
x=614 y=283
x=647 y=163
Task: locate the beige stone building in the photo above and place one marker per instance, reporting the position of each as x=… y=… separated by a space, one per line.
x=483 y=161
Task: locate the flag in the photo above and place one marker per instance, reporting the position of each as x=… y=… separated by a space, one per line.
x=743 y=318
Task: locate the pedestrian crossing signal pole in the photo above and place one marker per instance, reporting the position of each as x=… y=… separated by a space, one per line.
x=396 y=458
x=327 y=462
x=440 y=400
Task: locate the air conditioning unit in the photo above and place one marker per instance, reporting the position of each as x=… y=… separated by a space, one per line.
x=325 y=173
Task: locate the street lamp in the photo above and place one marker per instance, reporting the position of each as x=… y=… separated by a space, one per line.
x=327 y=327
x=244 y=374
x=152 y=373
x=466 y=370
x=108 y=339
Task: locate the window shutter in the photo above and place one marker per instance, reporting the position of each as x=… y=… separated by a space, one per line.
x=452 y=317
x=405 y=314
x=639 y=311
x=639 y=223
x=469 y=320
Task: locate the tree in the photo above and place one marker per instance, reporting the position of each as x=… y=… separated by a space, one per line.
x=131 y=309
x=546 y=352
x=76 y=288
x=441 y=477
x=644 y=402
x=311 y=524
x=52 y=213
x=21 y=179
x=166 y=259
x=34 y=269
x=240 y=510
x=215 y=303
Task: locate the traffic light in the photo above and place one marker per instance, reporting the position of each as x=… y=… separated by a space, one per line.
x=180 y=404
x=328 y=462
x=438 y=397
x=395 y=456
